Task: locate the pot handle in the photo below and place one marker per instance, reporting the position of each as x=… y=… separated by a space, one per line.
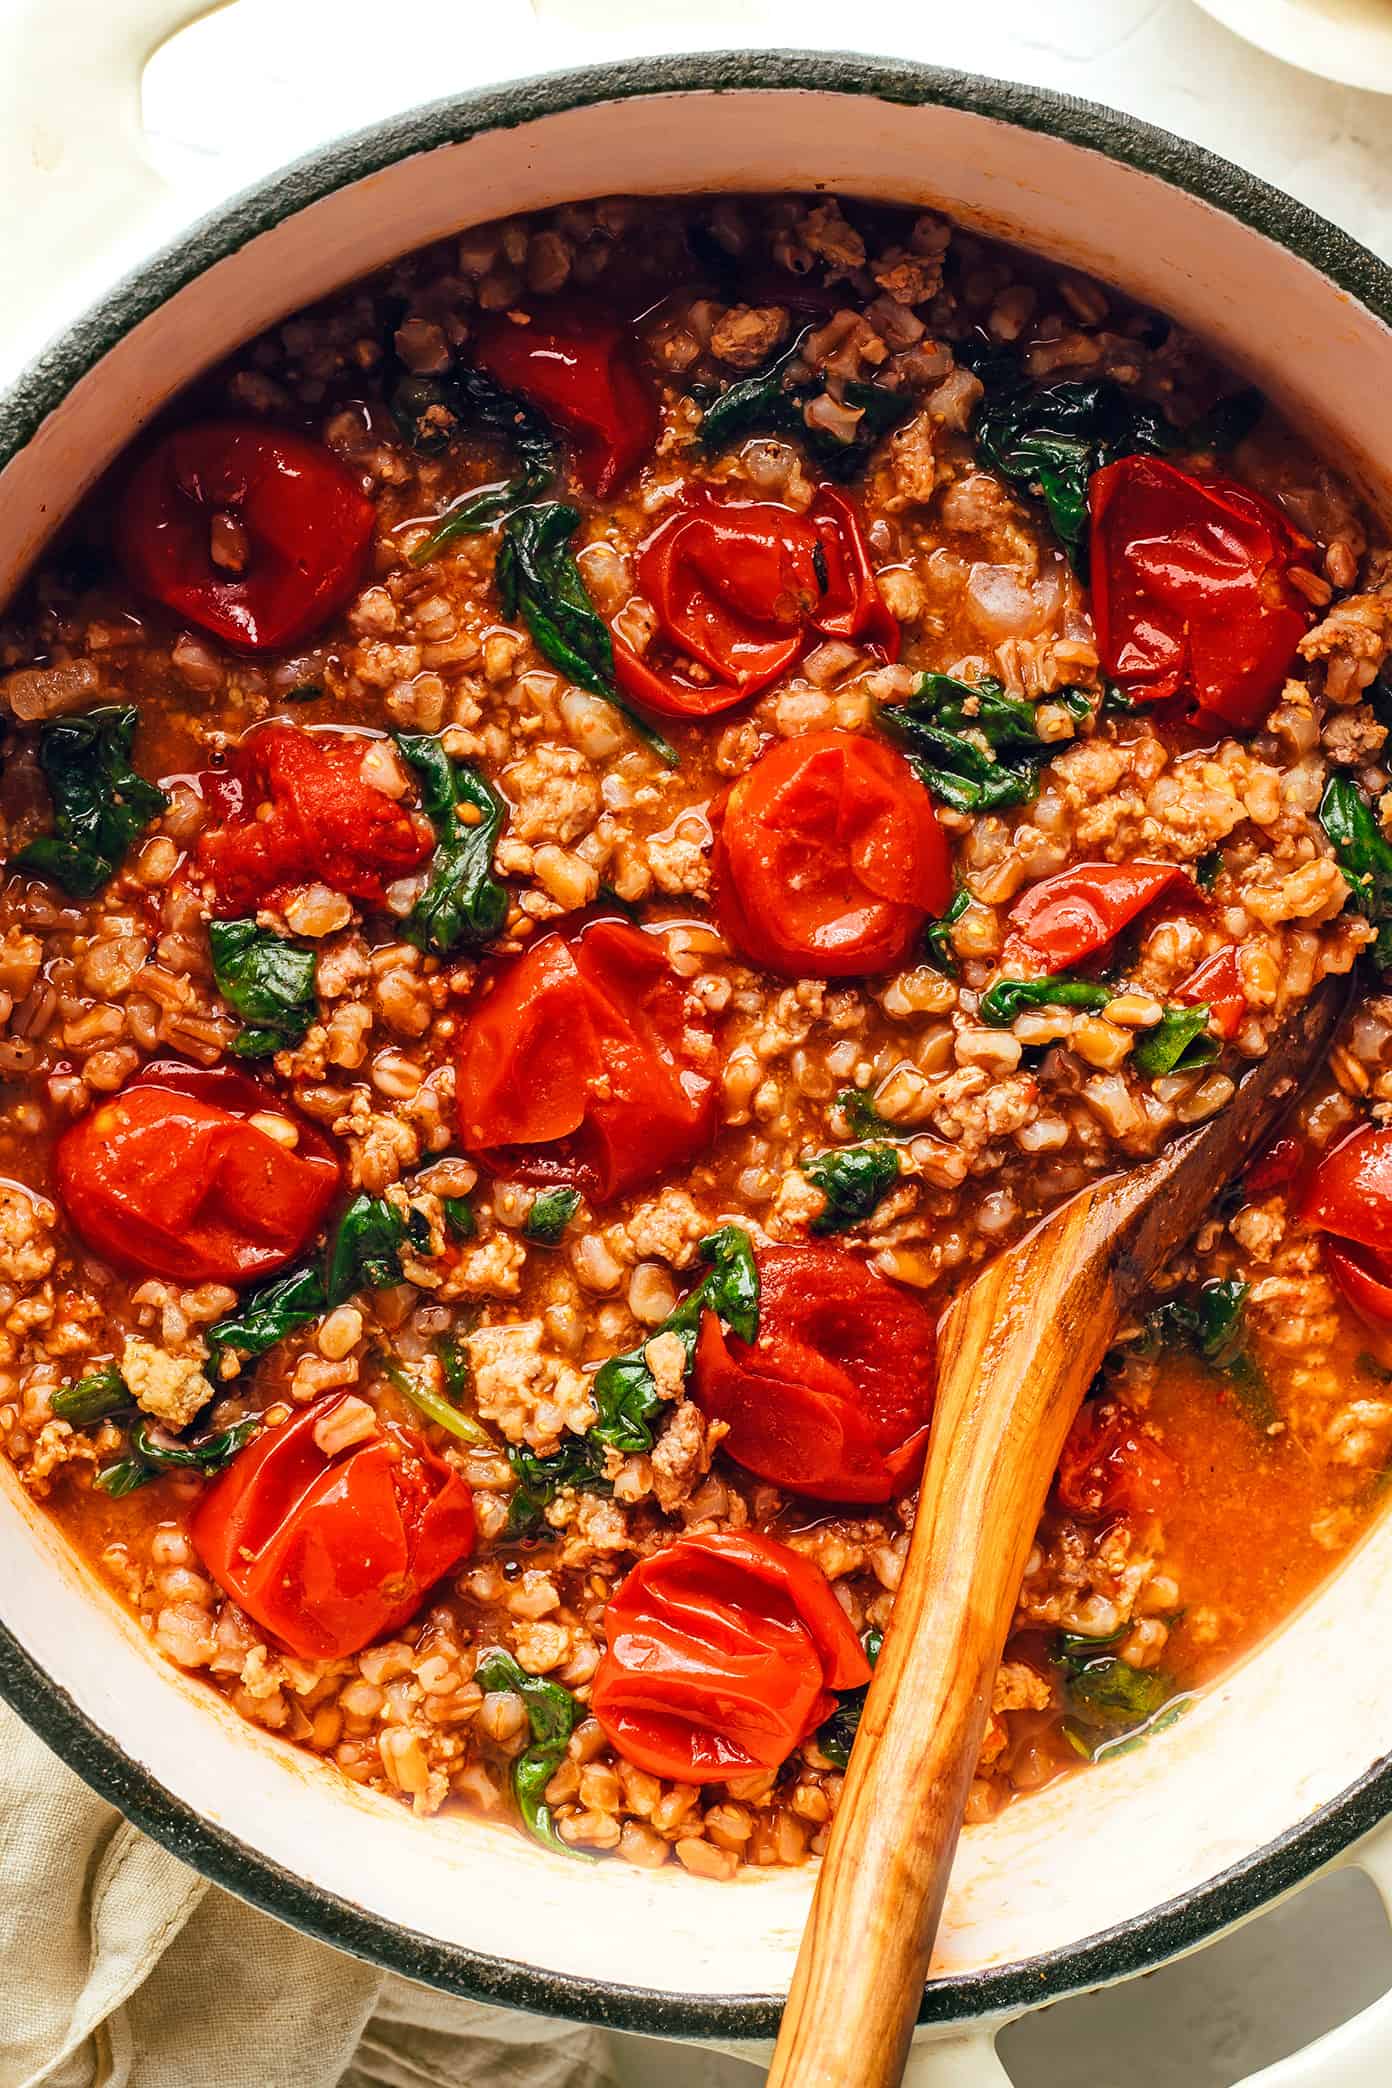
x=81 y=196
x=1359 y=2053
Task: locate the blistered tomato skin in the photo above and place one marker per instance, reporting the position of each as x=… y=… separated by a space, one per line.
x=723 y=1654
x=1349 y=1198
x=828 y=858
x=330 y=1549
x=834 y=1398
x=741 y=589
x=299 y=811
x=252 y=533
x=171 y=1177
x=574 y=1063
x=1080 y=912
x=1190 y=590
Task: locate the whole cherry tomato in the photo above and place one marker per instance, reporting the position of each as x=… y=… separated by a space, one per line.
x=1218 y=983
x=330 y=1548
x=1111 y=1467
x=1078 y=912
x=1190 y=589
x=574 y=1064
x=739 y=589
x=723 y=1652
x=582 y=370
x=299 y=811
x=171 y=1177
x=835 y=1396
x=828 y=858
x=253 y=534
x=1350 y=1197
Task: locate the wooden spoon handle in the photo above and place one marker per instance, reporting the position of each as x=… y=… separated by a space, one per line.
x=1019 y=1350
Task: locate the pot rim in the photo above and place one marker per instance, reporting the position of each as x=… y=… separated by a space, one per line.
x=1130 y=1947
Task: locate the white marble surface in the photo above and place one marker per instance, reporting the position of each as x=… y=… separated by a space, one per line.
x=265 y=80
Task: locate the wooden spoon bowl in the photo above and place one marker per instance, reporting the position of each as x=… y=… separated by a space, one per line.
x=1020 y=1347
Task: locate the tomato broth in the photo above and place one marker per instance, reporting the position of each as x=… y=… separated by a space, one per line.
x=591 y=826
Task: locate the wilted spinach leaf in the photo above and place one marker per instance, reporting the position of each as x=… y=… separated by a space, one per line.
x=463 y=901
x=270 y=1312
x=854 y=1180
x=539 y=581
x=94 y=1397
x=459 y=1217
x=624 y=1391
x=1211 y=1321
x=432 y=411
x=266 y=980
x=974 y=746
x=765 y=403
x=937 y=936
x=1008 y=997
x=100 y=804
x=550 y=1214
x=553 y=1714
x=153 y=1450
x=1364 y=854
x=836 y=1735
x=1179 y=1043
x=578 y=1463
x=412 y=1386
x=366 y=1253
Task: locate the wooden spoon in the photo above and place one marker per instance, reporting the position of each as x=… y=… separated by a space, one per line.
x=1019 y=1349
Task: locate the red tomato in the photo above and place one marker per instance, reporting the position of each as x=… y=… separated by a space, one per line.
x=1281 y=1164
x=852 y=605
x=1350 y=1196
x=835 y=1396
x=582 y=370
x=301 y=812
x=305 y=527
x=330 y=1550
x=1080 y=911
x=723 y=1652
x=574 y=1064
x=828 y=858
x=739 y=587
x=1110 y=1467
x=1218 y=982
x=170 y=1178
x=1190 y=593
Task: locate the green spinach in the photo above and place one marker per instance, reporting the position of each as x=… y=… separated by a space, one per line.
x=1364 y=854
x=973 y=745
x=836 y=1735
x=153 y=1451
x=937 y=936
x=270 y=1312
x=463 y=901
x=266 y=980
x=100 y=804
x=1212 y=1323
x=1008 y=997
x=855 y=1180
x=432 y=411
x=549 y=1216
x=459 y=1217
x=578 y=1463
x=93 y=1398
x=769 y=402
x=624 y=1390
x=539 y=581
x=552 y=1714
x=366 y=1253
x=441 y=1411
x=1179 y=1043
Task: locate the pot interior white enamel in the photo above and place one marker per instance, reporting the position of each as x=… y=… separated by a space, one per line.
x=474 y=1905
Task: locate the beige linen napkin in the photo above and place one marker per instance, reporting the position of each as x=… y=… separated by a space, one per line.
x=121 y=1968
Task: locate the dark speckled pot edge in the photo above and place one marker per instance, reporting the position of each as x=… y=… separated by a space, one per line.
x=1131 y=1947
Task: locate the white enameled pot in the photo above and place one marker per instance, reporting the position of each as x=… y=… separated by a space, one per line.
x=1275 y=1773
